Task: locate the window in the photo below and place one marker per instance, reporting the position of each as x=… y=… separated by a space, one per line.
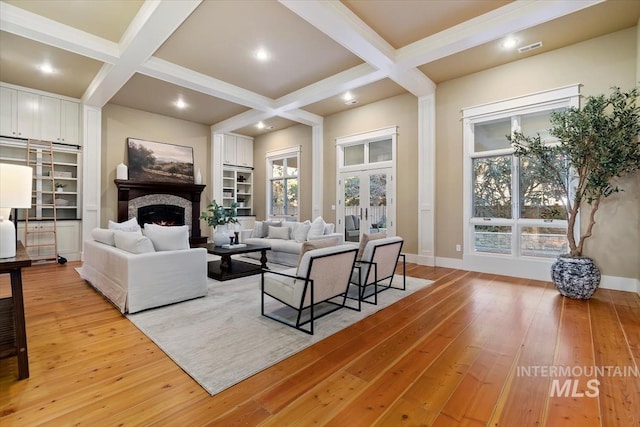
x=283 y=201
x=512 y=212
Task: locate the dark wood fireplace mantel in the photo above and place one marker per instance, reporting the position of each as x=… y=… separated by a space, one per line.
x=129 y=190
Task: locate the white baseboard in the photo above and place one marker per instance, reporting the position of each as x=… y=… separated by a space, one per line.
x=450 y=263
x=616 y=283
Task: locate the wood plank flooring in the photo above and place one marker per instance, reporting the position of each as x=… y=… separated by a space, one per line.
x=472 y=349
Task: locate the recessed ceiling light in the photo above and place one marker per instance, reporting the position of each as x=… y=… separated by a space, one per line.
x=351 y=102
x=348 y=96
x=509 y=43
x=269 y=127
x=262 y=55
x=46 y=68
x=180 y=104
x=260 y=125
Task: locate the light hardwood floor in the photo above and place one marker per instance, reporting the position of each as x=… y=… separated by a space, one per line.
x=463 y=351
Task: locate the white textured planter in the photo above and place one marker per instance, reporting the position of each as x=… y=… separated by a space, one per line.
x=576 y=278
x=221 y=235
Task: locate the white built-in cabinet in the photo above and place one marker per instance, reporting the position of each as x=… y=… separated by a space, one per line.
x=19 y=113
x=59 y=120
x=29 y=114
x=33 y=115
x=237 y=176
x=237 y=150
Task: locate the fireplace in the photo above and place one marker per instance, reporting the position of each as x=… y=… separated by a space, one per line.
x=164 y=203
x=161 y=215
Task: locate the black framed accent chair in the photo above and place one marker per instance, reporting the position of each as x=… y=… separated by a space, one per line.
x=318 y=287
x=376 y=265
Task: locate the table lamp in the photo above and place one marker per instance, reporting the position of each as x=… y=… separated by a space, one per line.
x=15 y=192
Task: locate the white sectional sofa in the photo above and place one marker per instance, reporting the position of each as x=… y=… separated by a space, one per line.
x=135 y=276
x=286 y=238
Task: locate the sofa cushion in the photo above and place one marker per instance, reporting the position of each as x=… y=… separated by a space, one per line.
x=261 y=228
x=103 y=235
x=317 y=228
x=129 y=225
x=301 y=231
x=133 y=242
x=316 y=244
x=168 y=238
x=366 y=237
x=278 y=233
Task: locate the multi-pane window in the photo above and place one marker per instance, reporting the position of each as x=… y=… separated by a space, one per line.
x=512 y=210
x=283 y=186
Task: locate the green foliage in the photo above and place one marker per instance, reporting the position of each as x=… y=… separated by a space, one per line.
x=140 y=157
x=219 y=215
x=596 y=145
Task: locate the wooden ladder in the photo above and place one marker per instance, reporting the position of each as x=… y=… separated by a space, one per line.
x=41 y=235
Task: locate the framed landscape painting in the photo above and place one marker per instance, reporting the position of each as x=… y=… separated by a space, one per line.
x=159 y=162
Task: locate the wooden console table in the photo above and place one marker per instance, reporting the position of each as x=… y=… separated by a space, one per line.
x=13 y=333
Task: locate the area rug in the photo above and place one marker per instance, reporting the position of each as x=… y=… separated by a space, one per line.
x=222 y=339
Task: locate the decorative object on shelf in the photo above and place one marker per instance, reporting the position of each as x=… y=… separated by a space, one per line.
x=220 y=217
x=198 y=178
x=60 y=187
x=122 y=171
x=15 y=193
x=596 y=145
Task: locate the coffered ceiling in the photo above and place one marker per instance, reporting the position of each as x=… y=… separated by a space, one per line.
x=148 y=54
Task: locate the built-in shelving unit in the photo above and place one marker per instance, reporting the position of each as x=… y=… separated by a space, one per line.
x=52 y=224
x=237 y=186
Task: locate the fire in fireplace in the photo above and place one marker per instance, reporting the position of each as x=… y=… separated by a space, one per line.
x=161 y=215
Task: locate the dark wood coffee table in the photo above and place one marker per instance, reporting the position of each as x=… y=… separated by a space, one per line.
x=228 y=268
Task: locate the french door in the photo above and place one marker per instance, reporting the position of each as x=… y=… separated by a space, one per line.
x=366 y=205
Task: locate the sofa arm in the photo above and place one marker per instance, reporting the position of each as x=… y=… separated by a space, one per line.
x=328 y=236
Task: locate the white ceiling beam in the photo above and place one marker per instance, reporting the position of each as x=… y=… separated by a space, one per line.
x=241 y=120
x=35 y=27
x=185 y=77
x=353 y=78
x=153 y=25
x=302 y=116
x=513 y=17
x=345 y=27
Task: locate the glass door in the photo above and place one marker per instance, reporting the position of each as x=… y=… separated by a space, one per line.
x=365 y=197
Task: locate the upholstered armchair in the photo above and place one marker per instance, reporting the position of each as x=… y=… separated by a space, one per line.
x=376 y=265
x=352 y=228
x=318 y=287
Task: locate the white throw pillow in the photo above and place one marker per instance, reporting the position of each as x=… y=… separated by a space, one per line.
x=328 y=228
x=278 y=233
x=257 y=229
x=267 y=224
x=169 y=238
x=129 y=225
x=103 y=235
x=301 y=231
x=133 y=242
x=317 y=228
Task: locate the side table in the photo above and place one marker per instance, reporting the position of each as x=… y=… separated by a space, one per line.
x=13 y=333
